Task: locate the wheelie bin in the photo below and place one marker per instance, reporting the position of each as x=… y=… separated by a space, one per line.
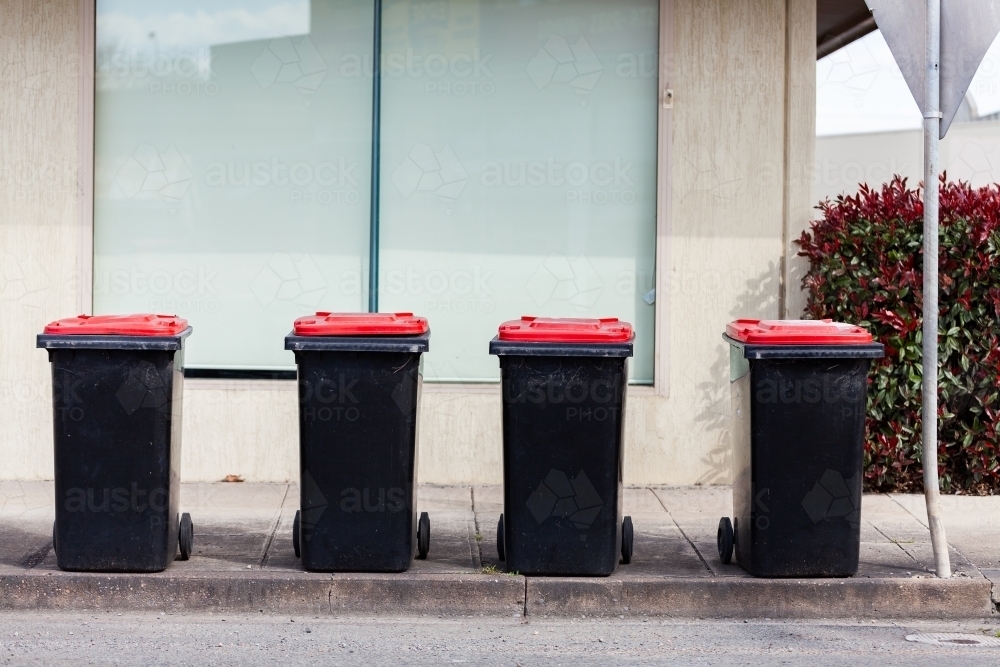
x=359 y=379
x=799 y=396
x=563 y=384
x=117 y=384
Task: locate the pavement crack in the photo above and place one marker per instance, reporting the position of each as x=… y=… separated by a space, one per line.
x=683 y=534
x=524 y=606
x=475 y=523
x=905 y=509
x=901 y=548
x=922 y=523
x=274 y=529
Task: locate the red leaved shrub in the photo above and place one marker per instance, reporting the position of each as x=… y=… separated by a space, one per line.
x=866 y=267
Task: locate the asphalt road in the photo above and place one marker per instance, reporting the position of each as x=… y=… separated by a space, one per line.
x=103 y=638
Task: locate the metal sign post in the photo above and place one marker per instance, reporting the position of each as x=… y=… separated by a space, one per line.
x=938 y=48
x=929 y=381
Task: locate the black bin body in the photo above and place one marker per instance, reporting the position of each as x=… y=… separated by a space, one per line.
x=358 y=399
x=798 y=429
x=117 y=406
x=563 y=433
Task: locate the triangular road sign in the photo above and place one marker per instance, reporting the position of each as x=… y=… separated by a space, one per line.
x=968 y=28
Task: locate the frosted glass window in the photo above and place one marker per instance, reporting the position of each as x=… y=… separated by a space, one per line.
x=232 y=168
x=518 y=157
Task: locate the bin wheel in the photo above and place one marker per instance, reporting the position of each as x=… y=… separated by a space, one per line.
x=185 y=535
x=724 y=539
x=501 y=551
x=627 y=540
x=55 y=540
x=423 y=536
x=296 y=524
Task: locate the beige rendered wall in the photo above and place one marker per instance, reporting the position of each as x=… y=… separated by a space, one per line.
x=740 y=129
x=38 y=216
x=800 y=148
x=726 y=221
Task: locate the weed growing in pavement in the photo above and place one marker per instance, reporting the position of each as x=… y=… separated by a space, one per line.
x=493 y=569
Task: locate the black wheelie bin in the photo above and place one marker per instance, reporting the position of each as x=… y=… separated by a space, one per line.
x=359 y=379
x=117 y=384
x=799 y=397
x=563 y=383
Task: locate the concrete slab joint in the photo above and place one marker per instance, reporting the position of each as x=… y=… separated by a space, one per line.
x=993 y=575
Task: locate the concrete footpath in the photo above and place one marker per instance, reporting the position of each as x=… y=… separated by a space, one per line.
x=243 y=562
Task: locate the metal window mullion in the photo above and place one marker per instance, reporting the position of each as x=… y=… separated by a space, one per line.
x=373 y=239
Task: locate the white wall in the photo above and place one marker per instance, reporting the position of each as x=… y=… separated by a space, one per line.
x=741 y=136
x=970 y=152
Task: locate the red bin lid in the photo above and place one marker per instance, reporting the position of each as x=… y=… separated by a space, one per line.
x=360 y=324
x=566 y=330
x=138 y=324
x=797 y=332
